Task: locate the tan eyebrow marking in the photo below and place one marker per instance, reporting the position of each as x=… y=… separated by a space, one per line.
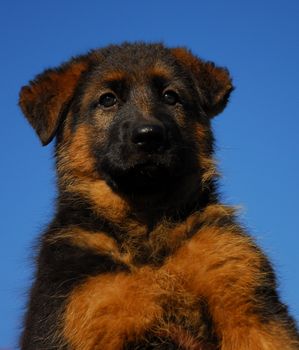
x=113 y=77
x=160 y=71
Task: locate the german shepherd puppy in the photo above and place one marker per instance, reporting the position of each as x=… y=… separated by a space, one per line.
x=141 y=254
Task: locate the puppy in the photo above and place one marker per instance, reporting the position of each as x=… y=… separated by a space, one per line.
x=140 y=253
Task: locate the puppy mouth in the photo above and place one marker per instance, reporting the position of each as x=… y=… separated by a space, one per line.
x=151 y=162
x=148 y=176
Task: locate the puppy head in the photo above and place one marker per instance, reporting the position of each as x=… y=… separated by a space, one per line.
x=136 y=116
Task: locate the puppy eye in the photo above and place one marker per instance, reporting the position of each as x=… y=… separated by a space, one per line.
x=107 y=100
x=170 y=97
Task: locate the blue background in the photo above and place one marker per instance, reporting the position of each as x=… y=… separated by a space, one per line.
x=257 y=134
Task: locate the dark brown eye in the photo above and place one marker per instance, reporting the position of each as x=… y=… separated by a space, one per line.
x=170 y=97
x=107 y=100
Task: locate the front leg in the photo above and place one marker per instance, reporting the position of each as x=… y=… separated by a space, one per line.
x=109 y=310
x=223 y=266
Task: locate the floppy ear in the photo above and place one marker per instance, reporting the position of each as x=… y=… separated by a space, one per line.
x=214 y=82
x=44 y=101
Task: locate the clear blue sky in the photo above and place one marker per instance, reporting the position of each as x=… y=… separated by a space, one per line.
x=257 y=134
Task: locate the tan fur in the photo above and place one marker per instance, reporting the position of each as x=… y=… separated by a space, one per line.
x=75 y=160
x=217 y=265
x=258 y=336
x=146 y=292
x=208 y=75
x=207 y=164
x=225 y=274
x=63 y=85
x=160 y=70
x=106 y=321
x=97 y=241
x=103 y=199
x=114 y=75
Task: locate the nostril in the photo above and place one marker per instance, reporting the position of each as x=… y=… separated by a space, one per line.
x=149 y=137
x=147 y=133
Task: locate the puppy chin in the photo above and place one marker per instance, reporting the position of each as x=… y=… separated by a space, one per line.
x=141 y=179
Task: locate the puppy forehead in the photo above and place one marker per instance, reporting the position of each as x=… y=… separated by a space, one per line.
x=132 y=73
x=138 y=75
x=133 y=63
x=133 y=56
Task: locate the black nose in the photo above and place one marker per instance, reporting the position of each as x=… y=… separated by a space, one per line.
x=149 y=137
